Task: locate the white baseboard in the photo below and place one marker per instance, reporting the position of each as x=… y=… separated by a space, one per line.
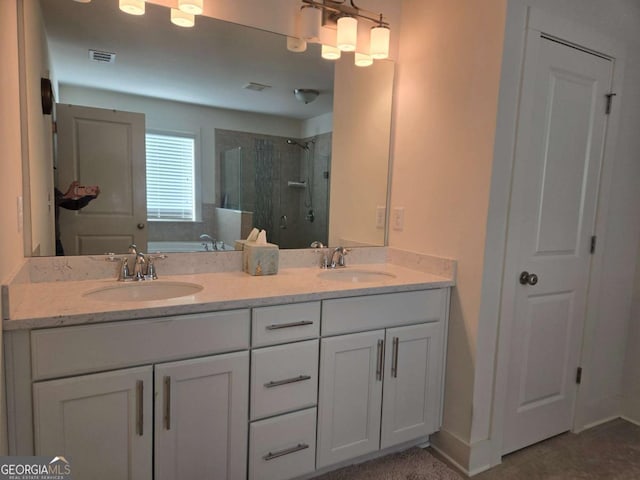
x=469 y=459
x=596 y=423
x=631 y=420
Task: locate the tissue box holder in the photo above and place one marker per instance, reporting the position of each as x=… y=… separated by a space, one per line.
x=260 y=259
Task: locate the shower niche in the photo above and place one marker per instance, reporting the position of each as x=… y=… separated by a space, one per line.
x=279 y=184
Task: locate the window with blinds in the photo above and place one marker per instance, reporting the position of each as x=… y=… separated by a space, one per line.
x=170 y=177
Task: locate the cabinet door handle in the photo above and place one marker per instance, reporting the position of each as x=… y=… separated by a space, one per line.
x=277 y=383
x=394 y=361
x=140 y=407
x=167 y=403
x=380 y=360
x=278 y=326
x=287 y=451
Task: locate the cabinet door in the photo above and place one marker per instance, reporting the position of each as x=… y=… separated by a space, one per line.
x=201 y=418
x=412 y=383
x=101 y=423
x=350 y=396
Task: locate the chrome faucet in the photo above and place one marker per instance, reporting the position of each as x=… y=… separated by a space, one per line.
x=337 y=259
x=207 y=239
x=144 y=267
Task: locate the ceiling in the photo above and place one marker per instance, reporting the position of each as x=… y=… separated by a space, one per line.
x=208 y=64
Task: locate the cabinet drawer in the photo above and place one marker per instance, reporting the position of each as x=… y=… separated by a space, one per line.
x=58 y=352
x=285 y=323
x=283 y=447
x=284 y=378
x=358 y=314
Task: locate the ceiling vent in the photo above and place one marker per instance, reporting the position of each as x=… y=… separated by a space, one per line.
x=256 y=87
x=104 y=57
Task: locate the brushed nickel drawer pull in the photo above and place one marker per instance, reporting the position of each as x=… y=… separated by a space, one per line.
x=167 y=403
x=277 y=383
x=140 y=407
x=394 y=361
x=278 y=326
x=380 y=360
x=281 y=453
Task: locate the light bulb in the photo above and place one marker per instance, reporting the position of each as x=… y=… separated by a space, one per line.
x=347 y=33
x=193 y=7
x=329 y=52
x=363 y=60
x=380 y=42
x=132 y=7
x=182 y=19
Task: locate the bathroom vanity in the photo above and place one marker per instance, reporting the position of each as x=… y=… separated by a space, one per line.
x=228 y=384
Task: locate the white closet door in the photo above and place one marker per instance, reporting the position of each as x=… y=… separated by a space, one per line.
x=561 y=133
x=101 y=423
x=202 y=413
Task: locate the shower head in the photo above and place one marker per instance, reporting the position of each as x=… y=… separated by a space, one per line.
x=293 y=142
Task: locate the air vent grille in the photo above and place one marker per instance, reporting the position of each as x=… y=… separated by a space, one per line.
x=258 y=87
x=104 y=57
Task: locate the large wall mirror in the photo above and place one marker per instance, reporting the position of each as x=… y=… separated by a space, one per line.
x=194 y=135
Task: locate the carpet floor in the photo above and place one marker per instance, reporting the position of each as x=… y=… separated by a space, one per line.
x=607 y=452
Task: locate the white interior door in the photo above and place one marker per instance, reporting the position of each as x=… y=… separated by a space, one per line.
x=560 y=140
x=105 y=148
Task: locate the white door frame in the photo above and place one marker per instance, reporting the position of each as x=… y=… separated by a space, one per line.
x=504 y=158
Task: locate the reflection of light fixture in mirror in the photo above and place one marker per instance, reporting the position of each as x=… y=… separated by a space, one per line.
x=182 y=19
x=306 y=95
x=194 y=7
x=330 y=53
x=83 y=1
x=310 y=19
x=379 y=42
x=363 y=60
x=347 y=33
x=296 y=44
x=132 y=7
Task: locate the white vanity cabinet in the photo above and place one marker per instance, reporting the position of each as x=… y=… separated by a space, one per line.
x=189 y=416
x=382 y=387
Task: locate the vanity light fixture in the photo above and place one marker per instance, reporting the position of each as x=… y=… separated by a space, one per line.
x=132 y=7
x=329 y=52
x=296 y=44
x=363 y=60
x=310 y=20
x=193 y=7
x=83 y=1
x=347 y=35
x=346 y=16
x=182 y=19
x=379 y=45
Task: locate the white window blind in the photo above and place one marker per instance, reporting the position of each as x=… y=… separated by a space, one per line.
x=170 y=177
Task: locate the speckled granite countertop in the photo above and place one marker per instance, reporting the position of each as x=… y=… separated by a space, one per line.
x=57 y=303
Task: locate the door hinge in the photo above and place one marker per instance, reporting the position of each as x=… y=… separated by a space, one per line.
x=592 y=249
x=54 y=127
x=609 y=101
x=579 y=376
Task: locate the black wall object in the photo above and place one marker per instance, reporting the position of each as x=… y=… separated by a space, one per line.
x=46 y=93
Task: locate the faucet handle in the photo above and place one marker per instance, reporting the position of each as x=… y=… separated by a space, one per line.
x=151 y=267
x=133 y=248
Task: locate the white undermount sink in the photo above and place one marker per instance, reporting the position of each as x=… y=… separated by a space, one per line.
x=352 y=275
x=143 y=291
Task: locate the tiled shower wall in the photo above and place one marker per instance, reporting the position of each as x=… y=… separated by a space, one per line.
x=268 y=163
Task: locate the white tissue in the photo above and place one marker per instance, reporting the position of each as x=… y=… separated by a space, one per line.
x=262 y=238
x=253 y=236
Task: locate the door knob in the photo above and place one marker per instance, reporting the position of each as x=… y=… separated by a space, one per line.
x=527 y=278
x=140 y=226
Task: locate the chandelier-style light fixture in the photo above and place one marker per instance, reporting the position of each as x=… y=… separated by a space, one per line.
x=346 y=15
x=132 y=7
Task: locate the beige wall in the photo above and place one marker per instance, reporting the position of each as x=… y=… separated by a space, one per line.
x=11 y=251
x=360 y=151
x=39 y=199
x=446 y=106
